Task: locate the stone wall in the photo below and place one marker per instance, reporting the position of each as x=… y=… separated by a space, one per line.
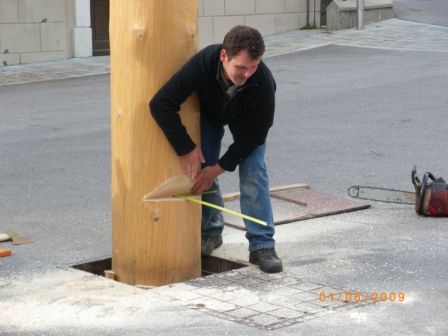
x=32 y=31
x=270 y=17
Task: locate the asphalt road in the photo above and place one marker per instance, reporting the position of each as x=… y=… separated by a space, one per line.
x=55 y=170
x=425 y=11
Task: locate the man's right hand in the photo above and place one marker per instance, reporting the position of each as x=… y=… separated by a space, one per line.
x=191 y=163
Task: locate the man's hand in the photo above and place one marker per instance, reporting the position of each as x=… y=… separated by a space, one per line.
x=206 y=177
x=191 y=162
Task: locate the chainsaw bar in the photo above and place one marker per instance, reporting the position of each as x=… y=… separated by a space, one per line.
x=382 y=194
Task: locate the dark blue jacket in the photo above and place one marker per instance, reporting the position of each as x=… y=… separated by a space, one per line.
x=253 y=105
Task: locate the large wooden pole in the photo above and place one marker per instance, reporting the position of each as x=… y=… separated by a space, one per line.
x=156 y=243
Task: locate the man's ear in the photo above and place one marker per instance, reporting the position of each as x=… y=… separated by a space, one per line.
x=223 y=55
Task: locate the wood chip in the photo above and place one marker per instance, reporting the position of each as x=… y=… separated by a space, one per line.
x=4 y=237
x=175 y=185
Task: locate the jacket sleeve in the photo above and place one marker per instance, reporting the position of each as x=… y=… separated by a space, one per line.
x=165 y=105
x=255 y=126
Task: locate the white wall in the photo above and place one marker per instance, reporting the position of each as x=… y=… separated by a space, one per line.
x=82 y=32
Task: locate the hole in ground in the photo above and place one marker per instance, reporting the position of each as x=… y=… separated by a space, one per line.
x=210 y=265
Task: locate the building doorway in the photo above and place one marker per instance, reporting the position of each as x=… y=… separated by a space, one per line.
x=99 y=13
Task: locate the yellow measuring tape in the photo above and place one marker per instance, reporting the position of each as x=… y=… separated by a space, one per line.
x=217 y=207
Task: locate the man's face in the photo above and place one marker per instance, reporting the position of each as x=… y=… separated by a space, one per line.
x=240 y=68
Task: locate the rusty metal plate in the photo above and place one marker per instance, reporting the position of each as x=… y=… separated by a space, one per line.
x=299 y=204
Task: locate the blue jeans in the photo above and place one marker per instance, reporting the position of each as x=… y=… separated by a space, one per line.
x=255 y=200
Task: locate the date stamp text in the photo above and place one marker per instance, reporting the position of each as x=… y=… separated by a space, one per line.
x=356 y=296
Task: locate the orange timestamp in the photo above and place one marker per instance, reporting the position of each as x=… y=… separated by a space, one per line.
x=355 y=296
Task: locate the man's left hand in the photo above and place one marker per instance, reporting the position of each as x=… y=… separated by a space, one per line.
x=206 y=177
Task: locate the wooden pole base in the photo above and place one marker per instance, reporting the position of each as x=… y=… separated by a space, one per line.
x=158 y=243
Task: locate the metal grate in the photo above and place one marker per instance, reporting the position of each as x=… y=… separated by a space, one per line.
x=259 y=300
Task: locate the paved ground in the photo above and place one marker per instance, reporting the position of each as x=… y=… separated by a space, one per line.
x=426 y=11
x=349 y=107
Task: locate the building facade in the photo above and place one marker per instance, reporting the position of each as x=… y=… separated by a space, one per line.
x=43 y=30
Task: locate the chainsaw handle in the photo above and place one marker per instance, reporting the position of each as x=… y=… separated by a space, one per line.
x=415 y=180
x=421 y=194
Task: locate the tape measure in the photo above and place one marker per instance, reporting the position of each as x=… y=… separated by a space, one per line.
x=217 y=207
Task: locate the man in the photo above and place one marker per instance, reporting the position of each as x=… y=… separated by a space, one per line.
x=236 y=89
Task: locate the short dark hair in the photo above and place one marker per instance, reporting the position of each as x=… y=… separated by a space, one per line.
x=243 y=38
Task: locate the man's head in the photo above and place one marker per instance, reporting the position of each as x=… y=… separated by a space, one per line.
x=243 y=38
x=241 y=53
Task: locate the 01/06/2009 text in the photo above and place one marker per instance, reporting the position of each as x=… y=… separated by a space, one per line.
x=354 y=297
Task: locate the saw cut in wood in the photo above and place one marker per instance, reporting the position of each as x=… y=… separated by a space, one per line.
x=173 y=186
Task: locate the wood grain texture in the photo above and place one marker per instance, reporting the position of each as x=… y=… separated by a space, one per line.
x=156 y=243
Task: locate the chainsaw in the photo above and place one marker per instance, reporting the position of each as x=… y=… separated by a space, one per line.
x=430 y=197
